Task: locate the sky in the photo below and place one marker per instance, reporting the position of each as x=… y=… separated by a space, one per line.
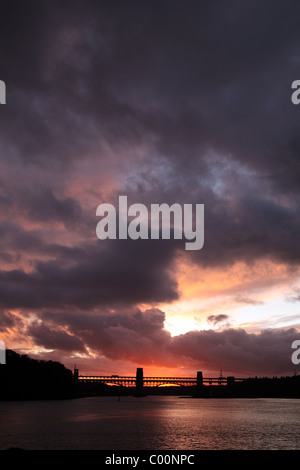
x=164 y=102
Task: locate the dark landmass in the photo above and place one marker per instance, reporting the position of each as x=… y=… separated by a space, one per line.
x=258 y=387
x=24 y=378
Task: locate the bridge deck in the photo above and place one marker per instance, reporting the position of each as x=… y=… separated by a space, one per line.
x=154 y=381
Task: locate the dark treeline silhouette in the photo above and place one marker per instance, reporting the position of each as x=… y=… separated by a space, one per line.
x=24 y=378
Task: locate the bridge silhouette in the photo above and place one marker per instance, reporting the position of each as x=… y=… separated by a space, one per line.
x=139 y=381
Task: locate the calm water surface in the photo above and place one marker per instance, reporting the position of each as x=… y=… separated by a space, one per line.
x=153 y=423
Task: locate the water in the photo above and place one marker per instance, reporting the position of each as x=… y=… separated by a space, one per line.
x=153 y=422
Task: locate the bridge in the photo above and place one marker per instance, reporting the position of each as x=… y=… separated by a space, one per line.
x=139 y=381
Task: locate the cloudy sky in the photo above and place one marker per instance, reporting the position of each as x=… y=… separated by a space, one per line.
x=163 y=101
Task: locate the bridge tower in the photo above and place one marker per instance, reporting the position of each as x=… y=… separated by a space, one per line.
x=76 y=373
x=230 y=380
x=199 y=380
x=139 y=381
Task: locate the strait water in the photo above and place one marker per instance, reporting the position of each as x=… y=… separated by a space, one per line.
x=153 y=422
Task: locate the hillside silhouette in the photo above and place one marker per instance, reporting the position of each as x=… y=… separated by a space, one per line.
x=24 y=378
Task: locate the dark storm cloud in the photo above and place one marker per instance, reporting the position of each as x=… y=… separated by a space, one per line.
x=45 y=206
x=55 y=338
x=211 y=78
x=255 y=228
x=207 y=76
x=17 y=243
x=109 y=273
x=235 y=349
x=41 y=204
x=191 y=78
x=203 y=78
x=123 y=334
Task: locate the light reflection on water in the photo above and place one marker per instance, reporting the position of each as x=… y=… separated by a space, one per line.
x=153 y=423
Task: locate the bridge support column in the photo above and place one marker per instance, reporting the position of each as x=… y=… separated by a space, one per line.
x=199 y=384
x=199 y=380
x=75 y=374
x=139 y=382
x=230 y=380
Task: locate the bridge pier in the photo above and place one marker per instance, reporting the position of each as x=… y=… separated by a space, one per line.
x=230 y=380
x=199 y=380
x=201 y=391
x=75 y=374
x=139 y=382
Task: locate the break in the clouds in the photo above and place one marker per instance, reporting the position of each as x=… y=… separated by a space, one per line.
x=140 y=337
x=163 y=102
